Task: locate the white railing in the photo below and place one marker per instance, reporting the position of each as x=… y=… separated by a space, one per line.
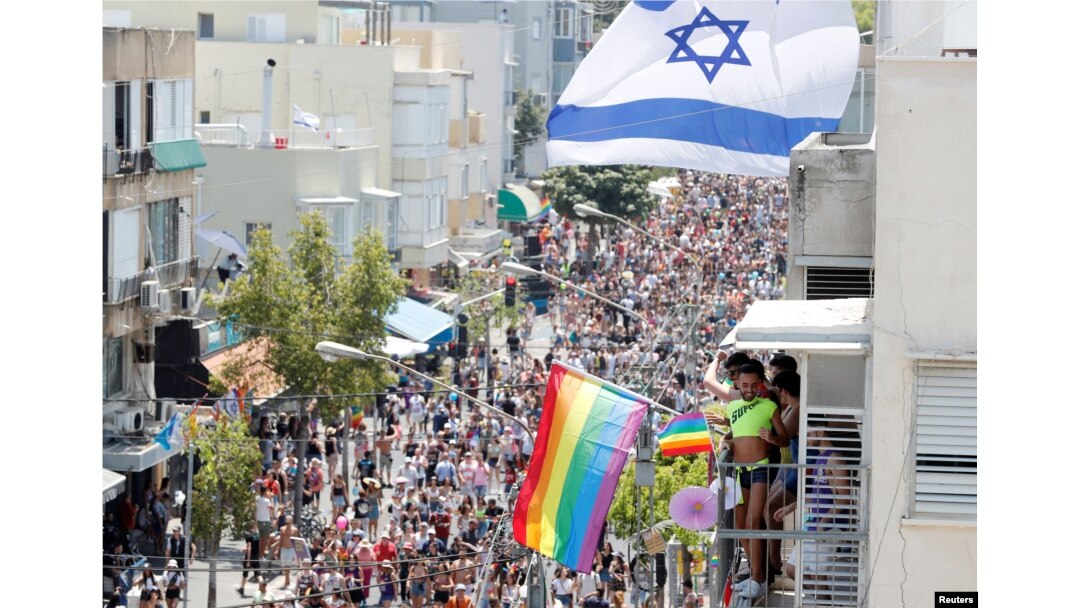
x=222 y=135
x=168 y=275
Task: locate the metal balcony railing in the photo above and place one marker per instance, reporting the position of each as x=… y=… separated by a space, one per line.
x=125 y=162
x=168 y=275
x=222 y=135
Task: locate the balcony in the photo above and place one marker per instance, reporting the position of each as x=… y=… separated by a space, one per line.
x=118 y=290
x=125 y=162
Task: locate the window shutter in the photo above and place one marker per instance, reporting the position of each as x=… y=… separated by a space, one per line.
x=125 y=245
x=946 y=458
x=829 y=283
x=184 y=231
x=135 y=105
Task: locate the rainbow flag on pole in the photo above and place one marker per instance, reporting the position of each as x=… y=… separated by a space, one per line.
x=587 y=429
x=686 y=434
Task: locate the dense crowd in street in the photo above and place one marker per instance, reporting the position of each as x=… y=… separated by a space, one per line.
x=421 y=533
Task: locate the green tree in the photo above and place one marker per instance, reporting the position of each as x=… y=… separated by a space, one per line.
x=620 y=190
x=528 y=124
x=672 y=475
x=317 y=296
x=222 y=501
x=605 y=12
x=865 y=11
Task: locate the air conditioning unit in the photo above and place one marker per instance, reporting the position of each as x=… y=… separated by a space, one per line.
x=164 y=410
x=148 y=295
x=188 y=297
x=165 y=301
x=128 y=420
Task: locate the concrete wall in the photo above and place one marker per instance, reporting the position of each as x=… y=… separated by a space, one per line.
x=924 y=301
x=261 y=185
x=353 y=82
x=831 y=202
x=139 y=54
x=230 y=18
x=947 y=24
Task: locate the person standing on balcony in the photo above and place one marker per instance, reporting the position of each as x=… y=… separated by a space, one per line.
x=229 y=268
x=755 y=423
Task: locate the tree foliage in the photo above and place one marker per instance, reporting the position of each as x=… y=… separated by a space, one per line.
x=316 y=296
x=620 y=190
x=222 y=500
x=672 y=475
x=528 y=124
x=865 y=11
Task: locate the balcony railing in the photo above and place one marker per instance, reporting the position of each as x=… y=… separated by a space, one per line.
x=125 y=162
x=222 y=135
x=168 y=275
x=235 y=135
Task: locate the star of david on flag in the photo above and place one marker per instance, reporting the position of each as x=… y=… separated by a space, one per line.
x=709 y=64
x=717 y=86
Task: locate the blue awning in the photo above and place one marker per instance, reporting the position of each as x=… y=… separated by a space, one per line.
x=420 y=323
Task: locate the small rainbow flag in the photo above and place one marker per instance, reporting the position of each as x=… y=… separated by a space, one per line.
x=545 y=206
x=587 y=429
x=686 y=434
x=357 y=416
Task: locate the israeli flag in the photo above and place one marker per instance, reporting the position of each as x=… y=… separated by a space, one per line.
x=729 y=87
x=302 y=118
x=170 y=434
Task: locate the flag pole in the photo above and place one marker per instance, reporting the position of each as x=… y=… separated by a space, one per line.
x=628 y=392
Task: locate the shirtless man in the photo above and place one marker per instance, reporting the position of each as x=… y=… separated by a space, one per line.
x=384 y=444
x=463 y=569
x=755 y=423
x=286 y=548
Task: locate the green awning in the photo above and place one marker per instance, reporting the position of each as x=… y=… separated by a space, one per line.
x=178 y=155
x=518 y=204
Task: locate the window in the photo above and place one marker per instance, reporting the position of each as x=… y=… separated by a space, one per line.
x=483 y=176
x=946 y=457
x=537 y=28
x=162 y=219
x=112 y=367
x=585 y=28
x=338 y=221
x=122 y=114
x=266 y=28
x=251 y=227
x=561 y=77
x=204 y=117
x=464 y=181
x=171 y=108
x=564 y=23
x=438 y=124
x=206 y=26
x=329 y=30
x=391 y=223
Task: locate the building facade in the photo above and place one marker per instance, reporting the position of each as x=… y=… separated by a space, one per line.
x=149 y=159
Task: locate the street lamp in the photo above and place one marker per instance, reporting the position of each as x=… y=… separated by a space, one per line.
x=332 y=351
x=522 y=270
x=586 y=211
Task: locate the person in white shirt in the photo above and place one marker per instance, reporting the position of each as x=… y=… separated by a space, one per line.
x=263 y=505
x=587 y=584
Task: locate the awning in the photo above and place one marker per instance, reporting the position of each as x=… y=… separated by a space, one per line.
x=420 y=323
x=519 y=204
x=261 y=381
x=112 y=484
x=810 y=325
x=178 y=155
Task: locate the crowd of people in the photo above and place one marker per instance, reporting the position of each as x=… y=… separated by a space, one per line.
x=419 y=531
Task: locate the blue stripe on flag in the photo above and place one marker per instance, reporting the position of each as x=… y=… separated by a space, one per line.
x=690 y=120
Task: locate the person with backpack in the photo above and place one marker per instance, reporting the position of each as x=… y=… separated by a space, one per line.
x=174 y=581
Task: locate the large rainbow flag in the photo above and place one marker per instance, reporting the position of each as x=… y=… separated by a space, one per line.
x=587 y=428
